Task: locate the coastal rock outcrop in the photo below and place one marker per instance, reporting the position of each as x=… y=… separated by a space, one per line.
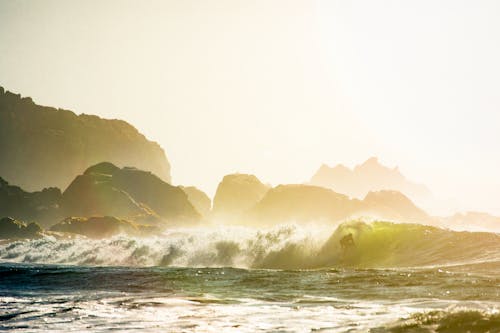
x=302 y=203
x=236 y=194
x=92 y=194
x=105 y=189
x=199 y=199
x=44 y=146
x=307 y=203
x=12 y=228
x=472 y=220
x=41 y=206
x=102 y=227
x=393 y=205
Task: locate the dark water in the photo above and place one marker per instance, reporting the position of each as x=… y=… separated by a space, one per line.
x=125 y=284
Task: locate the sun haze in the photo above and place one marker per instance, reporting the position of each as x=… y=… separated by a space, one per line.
x=277 y=88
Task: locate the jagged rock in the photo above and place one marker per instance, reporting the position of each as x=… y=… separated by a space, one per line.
x=198 y=199
x=45 y=146
x=103 y=227
x=41 y=206
x=11 y=228
x=366 y=177
x=236 y=194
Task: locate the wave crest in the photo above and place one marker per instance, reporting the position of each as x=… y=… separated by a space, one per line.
x=377 y=244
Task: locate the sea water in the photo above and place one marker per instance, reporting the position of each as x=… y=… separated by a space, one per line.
x=398 y=278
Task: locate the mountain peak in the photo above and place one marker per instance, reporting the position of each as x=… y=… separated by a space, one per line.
x=371 y=175
x=372 y=161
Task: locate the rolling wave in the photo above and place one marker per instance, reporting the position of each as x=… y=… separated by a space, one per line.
x=376 y=245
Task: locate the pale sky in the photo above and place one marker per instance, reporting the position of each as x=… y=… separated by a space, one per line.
x=276 y=88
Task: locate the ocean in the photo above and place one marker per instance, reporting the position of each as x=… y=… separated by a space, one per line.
x=290 y=278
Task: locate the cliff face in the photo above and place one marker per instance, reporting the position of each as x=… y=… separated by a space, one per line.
x=43 y=146
x=366 y=177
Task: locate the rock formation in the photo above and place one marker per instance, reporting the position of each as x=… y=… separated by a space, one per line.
x=393 y=205
x=236 y=194
x=369 y=176
x=94 y=194
x=307 y=203
x=198 y=199
x=11 y=228
x=43 y=146
x=41 y=206
x=129 y=193
x=103 y=227
x=472 y=221
x=302 y=203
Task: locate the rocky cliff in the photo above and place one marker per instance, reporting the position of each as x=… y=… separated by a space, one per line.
x=44 y=146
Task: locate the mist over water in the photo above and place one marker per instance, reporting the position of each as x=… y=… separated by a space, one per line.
x=288 y=246
x=290 y=278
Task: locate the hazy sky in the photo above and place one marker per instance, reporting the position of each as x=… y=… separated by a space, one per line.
x=276 y=88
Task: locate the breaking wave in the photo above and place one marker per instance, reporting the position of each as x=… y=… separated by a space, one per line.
x=455 y=320
x=377 y=245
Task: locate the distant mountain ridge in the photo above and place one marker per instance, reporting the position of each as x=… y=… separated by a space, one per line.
x=367 y=177
x=43 y=146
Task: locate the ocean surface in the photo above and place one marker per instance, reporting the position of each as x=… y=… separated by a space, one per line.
x=397 y=278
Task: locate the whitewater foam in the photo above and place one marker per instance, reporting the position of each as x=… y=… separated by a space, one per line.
x=291 y=246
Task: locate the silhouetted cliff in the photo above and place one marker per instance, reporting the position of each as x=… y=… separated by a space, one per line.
x=128 y=193
x=366 y=177
x=43 y=146
x=472 y=220
x=11 y=228
x=41 y=206
x=302 y=203
x=393 y=205
x=307 y=203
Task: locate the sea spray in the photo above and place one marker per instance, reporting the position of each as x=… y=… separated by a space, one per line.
x=289 y=246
